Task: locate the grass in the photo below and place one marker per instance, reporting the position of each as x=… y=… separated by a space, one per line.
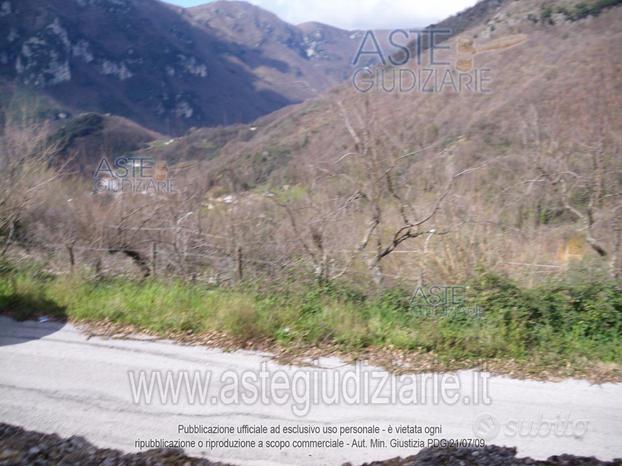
x=559 y=321
x=579 y=11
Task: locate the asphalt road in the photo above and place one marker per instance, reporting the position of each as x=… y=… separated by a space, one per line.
x=56 y=380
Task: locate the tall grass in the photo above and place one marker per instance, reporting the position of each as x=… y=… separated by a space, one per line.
x=559 y=320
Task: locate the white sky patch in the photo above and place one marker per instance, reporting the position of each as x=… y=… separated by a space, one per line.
x=365 y=14
x=359 y=14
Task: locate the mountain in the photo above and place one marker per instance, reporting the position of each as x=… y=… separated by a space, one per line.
x=164 y=67
x=510 y=162
x=302 y=60
x=561 y=69
x=82 y=141
x=520 y=166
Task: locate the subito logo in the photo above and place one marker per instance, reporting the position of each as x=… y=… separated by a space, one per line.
x=486 y=427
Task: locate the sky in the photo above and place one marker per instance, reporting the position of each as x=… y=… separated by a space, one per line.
x=358 y=14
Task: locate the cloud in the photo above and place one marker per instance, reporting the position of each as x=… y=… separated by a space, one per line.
x=365 y=14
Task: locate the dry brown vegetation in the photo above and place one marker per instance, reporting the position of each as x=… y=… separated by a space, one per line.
x=377 y=188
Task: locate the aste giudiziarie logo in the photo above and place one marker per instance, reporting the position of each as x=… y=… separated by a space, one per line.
x=132 y=174
x=425 y=61
x=443 y=301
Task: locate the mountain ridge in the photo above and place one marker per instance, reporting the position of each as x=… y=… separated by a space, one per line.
x=165 y=67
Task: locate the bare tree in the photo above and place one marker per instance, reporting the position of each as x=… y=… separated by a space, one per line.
x=582 y=176
x=26 y=162
x=396 y=210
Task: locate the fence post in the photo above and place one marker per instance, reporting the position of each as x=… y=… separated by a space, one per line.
x=239 y=264
x=154 y=257
x=72 y=261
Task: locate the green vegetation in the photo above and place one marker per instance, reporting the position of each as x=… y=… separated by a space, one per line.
x=269 y=160
x=579 y=11
x=559 y=321
x=546 y=15
x=81 y=126
x=595 y=8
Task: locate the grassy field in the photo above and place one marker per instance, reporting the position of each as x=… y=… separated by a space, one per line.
x=559 y=321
